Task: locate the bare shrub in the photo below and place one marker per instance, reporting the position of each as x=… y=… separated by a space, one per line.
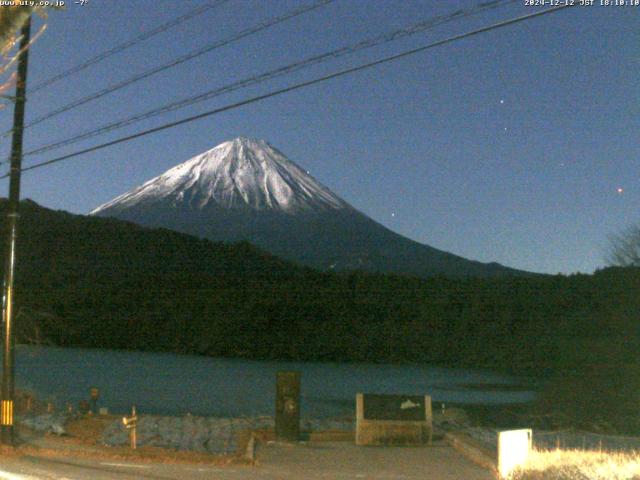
x=579 y=465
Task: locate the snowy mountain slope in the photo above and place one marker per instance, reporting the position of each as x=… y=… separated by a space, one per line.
x=245 y=189
x=242 y=173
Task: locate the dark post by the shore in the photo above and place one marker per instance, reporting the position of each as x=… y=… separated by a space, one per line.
x=288 y=406
x=94 y=392
x=8 y=367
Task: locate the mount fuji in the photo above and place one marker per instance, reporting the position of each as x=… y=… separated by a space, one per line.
x=246 y=190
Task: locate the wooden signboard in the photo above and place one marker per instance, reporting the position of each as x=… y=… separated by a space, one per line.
x=393 y=419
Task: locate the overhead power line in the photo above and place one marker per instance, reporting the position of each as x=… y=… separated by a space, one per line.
x=388 y=37
x=298 y=86
x=184 y=58
x=129 y=43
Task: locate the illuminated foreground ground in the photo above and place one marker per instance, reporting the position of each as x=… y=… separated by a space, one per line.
x=322 y=460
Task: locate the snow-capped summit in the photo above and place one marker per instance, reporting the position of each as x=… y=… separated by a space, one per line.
x=240 y=173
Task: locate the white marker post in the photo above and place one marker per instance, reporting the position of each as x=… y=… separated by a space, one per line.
x=514 y=447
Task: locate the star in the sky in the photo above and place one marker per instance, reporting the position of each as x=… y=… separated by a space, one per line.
x=620 y=190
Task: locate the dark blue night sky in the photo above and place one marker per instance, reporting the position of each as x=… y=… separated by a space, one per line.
x=519 y=145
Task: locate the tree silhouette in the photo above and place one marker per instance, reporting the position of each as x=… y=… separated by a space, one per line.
x=625 y=248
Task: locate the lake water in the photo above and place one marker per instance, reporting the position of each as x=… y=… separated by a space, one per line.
x=169 y=384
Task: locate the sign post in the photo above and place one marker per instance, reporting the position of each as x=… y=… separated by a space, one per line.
x=130 y=424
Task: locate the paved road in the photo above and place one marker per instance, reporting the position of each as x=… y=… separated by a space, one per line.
x=327 y=461
x=38 y=468
x=342 y=461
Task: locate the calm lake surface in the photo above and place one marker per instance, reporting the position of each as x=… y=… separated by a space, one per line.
x=161 y=383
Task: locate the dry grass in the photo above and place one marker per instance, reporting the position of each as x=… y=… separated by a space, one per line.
x=579 y=465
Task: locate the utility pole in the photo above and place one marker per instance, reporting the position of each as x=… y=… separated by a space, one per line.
x=8 y=367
